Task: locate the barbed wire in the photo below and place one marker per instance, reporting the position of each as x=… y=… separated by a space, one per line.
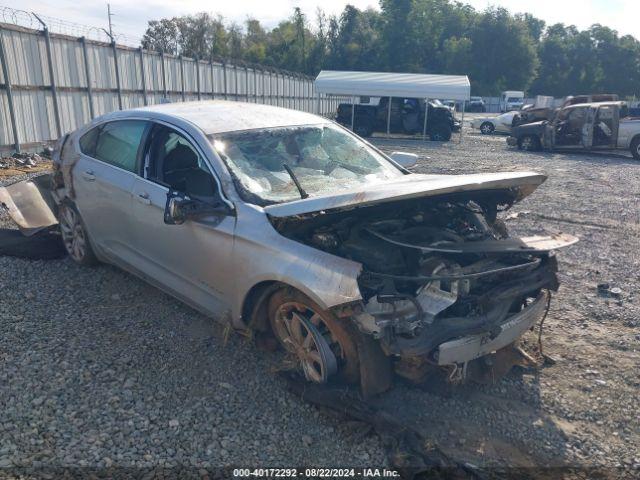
x=27 y=19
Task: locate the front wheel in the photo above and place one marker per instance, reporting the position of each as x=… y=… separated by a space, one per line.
x=440 y=133
x=363 y=127
x=635 y=148
x=529 y=143
x=322 y=343
x=487 y=128
x=74 y=235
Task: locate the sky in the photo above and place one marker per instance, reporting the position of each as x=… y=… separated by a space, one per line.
x=130 y=17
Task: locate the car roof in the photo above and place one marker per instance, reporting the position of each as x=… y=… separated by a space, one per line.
x=595 y=104
x=218 y=116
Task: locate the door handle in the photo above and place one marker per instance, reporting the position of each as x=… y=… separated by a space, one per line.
x=143 y=197
x=89 y=176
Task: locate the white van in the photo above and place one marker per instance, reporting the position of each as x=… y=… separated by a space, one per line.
x=511 y=100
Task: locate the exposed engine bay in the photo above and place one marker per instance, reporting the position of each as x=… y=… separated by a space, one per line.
x=442 y=282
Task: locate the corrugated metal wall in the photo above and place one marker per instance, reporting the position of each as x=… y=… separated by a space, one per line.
x=86 y=89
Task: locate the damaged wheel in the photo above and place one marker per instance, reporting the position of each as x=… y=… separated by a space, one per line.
x=530 y=143
x=321 y=343
x=74 y=235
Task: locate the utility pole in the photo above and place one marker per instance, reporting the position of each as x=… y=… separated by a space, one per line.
x=109 y=15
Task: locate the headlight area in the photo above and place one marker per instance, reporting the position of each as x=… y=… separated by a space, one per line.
x=458 y=314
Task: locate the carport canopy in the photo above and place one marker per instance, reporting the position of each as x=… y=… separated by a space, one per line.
x=388 y=84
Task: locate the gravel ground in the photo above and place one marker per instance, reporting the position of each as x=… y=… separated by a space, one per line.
x=100 y=369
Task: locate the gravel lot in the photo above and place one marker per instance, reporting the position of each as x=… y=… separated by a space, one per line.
x=100 y=369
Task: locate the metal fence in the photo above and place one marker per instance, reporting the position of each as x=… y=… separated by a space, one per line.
x=51 y=83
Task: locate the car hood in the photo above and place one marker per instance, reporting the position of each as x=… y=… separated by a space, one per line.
x=411 y=186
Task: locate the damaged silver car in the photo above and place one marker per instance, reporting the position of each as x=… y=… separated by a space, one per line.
x=293 y=228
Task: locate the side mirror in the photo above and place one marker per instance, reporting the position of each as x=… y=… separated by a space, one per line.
x=175 y=211
x=180 y=207
x=404 y=159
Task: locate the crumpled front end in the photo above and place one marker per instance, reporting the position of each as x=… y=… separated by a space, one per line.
x=443 y=284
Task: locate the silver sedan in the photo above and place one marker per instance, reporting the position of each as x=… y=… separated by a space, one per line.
x=496 y=124
x=286 y=225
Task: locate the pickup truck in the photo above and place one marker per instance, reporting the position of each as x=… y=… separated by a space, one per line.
x=407 y=116
x=583 y=126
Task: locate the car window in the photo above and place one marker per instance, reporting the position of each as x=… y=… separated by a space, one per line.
x=88 y=142
x=174 y=162
x=118 y=143
x=323 y=158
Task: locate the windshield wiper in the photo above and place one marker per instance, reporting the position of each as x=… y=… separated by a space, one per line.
x=303 y=194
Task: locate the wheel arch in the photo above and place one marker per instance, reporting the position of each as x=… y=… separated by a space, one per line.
x=254 y=302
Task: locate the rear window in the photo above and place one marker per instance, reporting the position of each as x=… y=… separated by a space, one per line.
x=88 y=142
x=118 y=143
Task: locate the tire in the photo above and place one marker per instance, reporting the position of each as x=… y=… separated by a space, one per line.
x=530 y=143
x=74 y=235
x=286 y=302
x=440 y=133
x=635 y=148
x=487 y=128
x=363 y=127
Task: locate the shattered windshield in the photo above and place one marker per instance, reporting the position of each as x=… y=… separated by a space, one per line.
x=322 y=158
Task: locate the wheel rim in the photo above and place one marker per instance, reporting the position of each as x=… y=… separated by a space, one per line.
x=527 y=143
x=638 y=149
x=485 y=128
x=298 y=328
x=72 y=233
x=437 y=137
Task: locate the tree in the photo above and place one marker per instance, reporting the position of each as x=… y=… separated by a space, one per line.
x=496 y=49
x=504 y=53
x=162 y=36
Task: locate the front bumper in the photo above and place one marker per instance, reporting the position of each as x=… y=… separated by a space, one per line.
x=512 y=141
x=469 y=348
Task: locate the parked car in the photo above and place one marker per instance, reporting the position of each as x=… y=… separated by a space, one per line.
x=407 y=116
x=582 y=126
x=497 y=124
x=295 y=230
x=476 y=104
x=511 y=100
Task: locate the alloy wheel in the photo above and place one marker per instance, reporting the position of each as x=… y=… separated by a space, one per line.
x=486 y=129
x=73 y=235
x=303 y=332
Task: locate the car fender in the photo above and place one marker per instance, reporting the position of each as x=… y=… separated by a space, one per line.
x=263 y=255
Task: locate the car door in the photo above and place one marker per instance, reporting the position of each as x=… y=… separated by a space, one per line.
x=605 y=127
x=192 y=260
x=588 y=127
x=103 y=179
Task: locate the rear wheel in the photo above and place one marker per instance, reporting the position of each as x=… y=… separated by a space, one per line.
x=529 y=143
x=441 y=133
x=321 y=343
x=487 y=128
x=74 y=235
x=635 y=148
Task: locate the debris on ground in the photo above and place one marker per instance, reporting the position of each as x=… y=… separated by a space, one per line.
x=605 y=290
x=409 y=451
x=21 y=163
